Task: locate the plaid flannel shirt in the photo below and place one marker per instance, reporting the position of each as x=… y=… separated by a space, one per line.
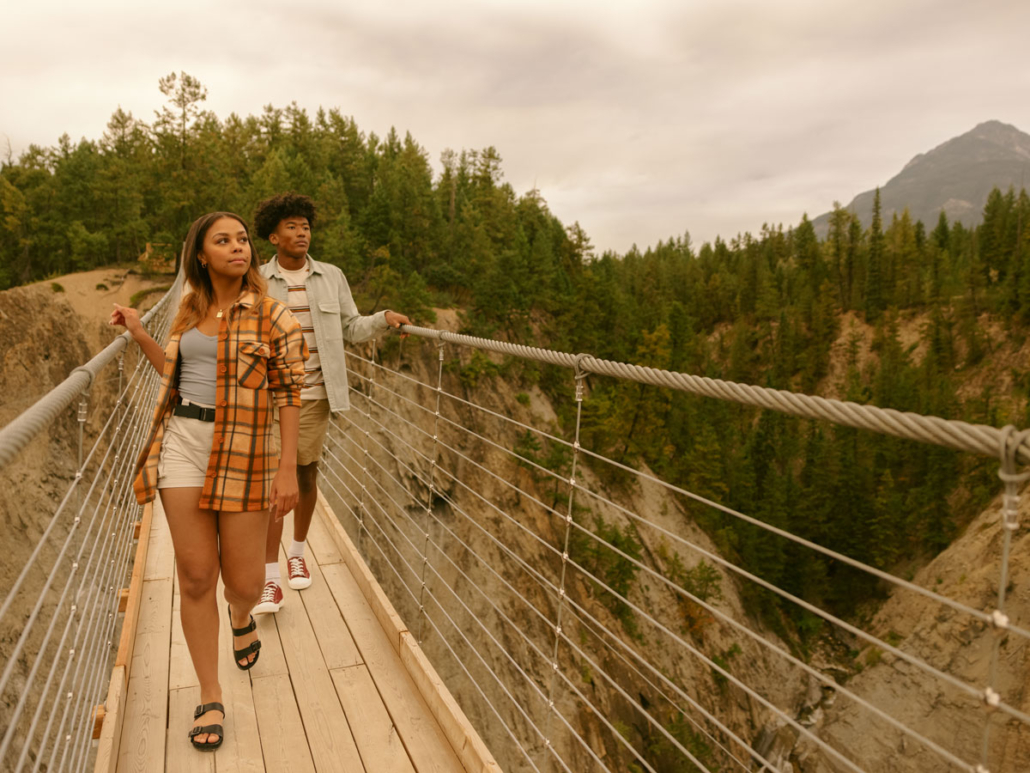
x=261 y=353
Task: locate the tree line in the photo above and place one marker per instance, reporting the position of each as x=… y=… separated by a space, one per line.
x=763 y=309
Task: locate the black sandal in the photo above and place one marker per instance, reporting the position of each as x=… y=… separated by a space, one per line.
x=254 y=646
x=208 y=729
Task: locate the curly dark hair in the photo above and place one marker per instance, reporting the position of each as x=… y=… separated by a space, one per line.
x=271 y=212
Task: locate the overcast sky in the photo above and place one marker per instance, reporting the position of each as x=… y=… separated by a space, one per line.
x=641 y=120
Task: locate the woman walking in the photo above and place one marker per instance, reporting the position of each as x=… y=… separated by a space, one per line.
x=210 y=453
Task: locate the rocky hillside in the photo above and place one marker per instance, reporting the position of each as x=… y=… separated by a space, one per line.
x=955 y=177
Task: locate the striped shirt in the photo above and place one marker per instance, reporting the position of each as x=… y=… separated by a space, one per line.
x=261 y=355
x=297 y=300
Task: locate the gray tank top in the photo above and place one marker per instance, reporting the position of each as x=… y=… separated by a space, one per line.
x=198 y=373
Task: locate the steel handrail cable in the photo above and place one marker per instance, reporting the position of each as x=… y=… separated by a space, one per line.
x=383 y=552
x=829 y=553
x=475 y=684
x=75 y=650
x=395 y=548
x=534 y=609
x=490 y=671
x=672 y=702
x=456 y=425
x=855 y=564
x=776 y=710
x=723 y=562
x=462 y=400
x=492 y=505
x=773 y=648
x=85 y=575
x=876 y=711
x=963 y=436
x=51 y=576
x=90 y=624
x=561 y=716
x=140 y=423
x=476 y=618
x=972 y=691
x=93 y=666
x=23 y=428
x=509 y=484
x=4 y=607
x=543 y=581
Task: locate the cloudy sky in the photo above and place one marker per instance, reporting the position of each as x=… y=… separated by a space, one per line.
x=641 y=120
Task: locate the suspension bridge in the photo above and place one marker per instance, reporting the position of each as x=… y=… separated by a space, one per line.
x=452 y=626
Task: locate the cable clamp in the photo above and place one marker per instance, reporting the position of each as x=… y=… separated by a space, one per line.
x=981 y=769
x=565 y=556
x=561 y=593
x=572 y=482
x=991 y=698
x=999 y=619
x=557 y=630
x=554 y=665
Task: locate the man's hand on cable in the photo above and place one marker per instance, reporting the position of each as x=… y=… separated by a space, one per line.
x=395 y=320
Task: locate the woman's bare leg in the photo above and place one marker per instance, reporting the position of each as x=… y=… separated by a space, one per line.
x=242 y=538
x=195 y=538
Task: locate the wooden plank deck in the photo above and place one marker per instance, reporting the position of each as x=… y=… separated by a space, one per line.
x=330 y=692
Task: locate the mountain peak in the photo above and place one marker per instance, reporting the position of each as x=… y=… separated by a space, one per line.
x=955 y=177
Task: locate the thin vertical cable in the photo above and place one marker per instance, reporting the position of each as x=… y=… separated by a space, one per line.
x=579 y=376
x=1012 y=478
x=431 y=495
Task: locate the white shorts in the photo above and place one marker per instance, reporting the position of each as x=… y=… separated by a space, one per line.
x=185 y=452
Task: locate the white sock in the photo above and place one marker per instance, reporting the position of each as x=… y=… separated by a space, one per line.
x=272 y=573
x=296 y=549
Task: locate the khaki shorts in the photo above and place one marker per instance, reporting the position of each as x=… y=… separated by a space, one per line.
x=185 y=452
x=314 y=422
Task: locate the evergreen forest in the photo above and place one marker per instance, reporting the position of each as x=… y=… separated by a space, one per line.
x=761 y=308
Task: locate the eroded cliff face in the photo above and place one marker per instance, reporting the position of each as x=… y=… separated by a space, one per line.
x=954 y=643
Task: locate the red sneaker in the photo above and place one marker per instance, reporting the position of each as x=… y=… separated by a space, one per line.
x=271 y=599
x=300 y=577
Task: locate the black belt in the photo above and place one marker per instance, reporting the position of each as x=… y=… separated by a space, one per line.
x=192 y=411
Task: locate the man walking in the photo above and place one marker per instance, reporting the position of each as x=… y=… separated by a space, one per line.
x=318 y=295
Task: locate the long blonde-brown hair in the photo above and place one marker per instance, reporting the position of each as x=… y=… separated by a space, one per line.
x=196 y=304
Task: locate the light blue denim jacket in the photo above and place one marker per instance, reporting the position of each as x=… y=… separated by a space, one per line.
x=335 y=319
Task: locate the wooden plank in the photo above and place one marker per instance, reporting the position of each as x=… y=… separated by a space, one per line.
x=374 y=733
x=388 y=618
x=338 y=648
x=329 y=735
x=320 y=541
x=180 y=754
x=180 y=670
x=283 y=742
x=428 y=747
x=110 y=735
x=142 y=747
x=241 y=750
x=128 y=635
x=473 y=753
x=160 y=556
x=462 y=737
